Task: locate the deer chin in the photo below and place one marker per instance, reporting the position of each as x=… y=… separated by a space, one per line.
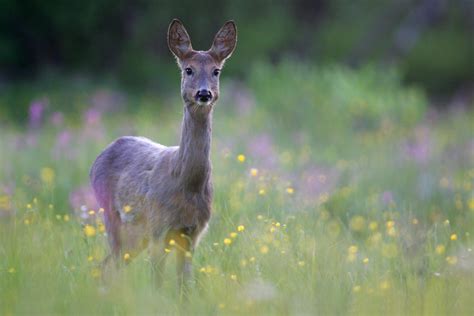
x=203 y=108
x=203 y=104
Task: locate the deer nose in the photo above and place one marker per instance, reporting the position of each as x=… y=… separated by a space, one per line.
x=204 y=95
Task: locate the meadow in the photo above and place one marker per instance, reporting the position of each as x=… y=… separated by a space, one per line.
x=337 y=191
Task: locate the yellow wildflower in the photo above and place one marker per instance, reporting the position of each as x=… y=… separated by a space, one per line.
x=366 y=260
x=290 y=190
x=470 y=203
x=227 y=241
x=172 y=242
x=233 y=277
x=440 y=249
x=352 y=249
x=323 y=198
x=357 y=223
x=89 y=230
x=384 y=285
x=392 y=232
x=233 y=235
x=127 y=208
x=262 y=192
x=47 y=175
x=66 y=218
x=101 y=227
x=241 y=158
x=254 y=172
x=264 y=249
x=373 y=225
x=5 y=202
x=126 y=256
x=95 y=273
x=452 y=260
x=240 y=228
x=453 y=237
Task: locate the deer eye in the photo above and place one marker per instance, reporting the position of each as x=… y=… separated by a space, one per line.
x=216 y=72
x=188 y=71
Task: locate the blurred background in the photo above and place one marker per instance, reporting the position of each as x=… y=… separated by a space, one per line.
x=343 y=154
x=429 y=42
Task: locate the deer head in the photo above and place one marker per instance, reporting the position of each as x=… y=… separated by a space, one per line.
x=200 y=70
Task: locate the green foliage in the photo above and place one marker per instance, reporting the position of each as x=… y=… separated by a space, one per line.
x=320 y=100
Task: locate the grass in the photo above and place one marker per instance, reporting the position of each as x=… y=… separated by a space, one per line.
x=336 y=192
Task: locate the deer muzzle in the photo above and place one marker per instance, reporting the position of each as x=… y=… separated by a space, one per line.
x=203 y=96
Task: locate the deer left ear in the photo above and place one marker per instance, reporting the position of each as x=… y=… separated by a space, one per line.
x=179 y=41
x=225 y=41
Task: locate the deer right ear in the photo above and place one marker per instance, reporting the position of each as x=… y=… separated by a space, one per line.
x=225 y=41
x=179 y=41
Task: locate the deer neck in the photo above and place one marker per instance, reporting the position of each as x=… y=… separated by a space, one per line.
x=193 y=165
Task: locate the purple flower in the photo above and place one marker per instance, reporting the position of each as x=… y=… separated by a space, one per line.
x=35 y=113
x=387 y=197
x=63 y=138
x=92 y=116
x=261 y=147
x=83 y=197
x=420 y=148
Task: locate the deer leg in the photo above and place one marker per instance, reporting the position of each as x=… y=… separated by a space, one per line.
x=112 y=224
x=158 y=259
x=183 y=245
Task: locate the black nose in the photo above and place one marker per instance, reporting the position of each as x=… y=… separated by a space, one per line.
x=204 y=95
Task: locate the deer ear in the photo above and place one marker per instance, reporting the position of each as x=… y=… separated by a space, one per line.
x=225 y=41
x=179 y=41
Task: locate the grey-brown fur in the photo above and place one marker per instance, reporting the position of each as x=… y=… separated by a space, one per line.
x=152 y=193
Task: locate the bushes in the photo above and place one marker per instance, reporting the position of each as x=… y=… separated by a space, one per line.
x=335 y=101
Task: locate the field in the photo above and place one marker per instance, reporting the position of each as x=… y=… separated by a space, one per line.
x=336 y=192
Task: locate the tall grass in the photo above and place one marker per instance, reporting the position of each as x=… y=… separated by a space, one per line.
x=335 y=193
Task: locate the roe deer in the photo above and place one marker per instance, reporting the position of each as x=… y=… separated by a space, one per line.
x=156 y=196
